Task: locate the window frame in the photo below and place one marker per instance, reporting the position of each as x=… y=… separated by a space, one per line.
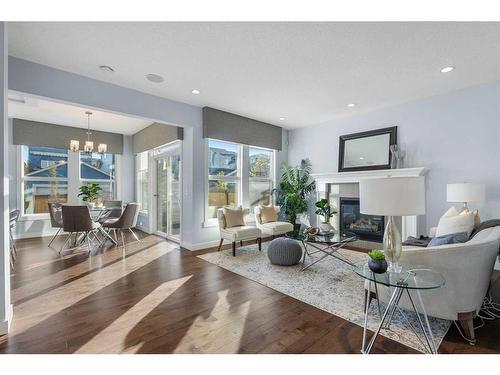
x=243 y=179
x=20 y=188
x=113 y=181
x=143 y=210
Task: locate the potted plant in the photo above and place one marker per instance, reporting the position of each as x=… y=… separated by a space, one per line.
x=324 y=209
x=89 y=193
x=294 y=189
x=377 y=262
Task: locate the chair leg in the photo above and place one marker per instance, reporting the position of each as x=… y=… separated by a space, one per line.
x=134 y=235
x=87 y=239
x=220 y=244
x=241 y=243
x=123 y=239
x=234 y=249
x=13 y=243
x=465 y=320
x=259 y=241
x=64 y=244
x=53 y=238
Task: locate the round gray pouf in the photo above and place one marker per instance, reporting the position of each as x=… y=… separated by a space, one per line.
x=284 y=252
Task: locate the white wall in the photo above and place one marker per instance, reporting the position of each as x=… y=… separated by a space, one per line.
x=456 y=136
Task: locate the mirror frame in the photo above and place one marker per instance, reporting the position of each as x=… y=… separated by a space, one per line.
x=392 y=131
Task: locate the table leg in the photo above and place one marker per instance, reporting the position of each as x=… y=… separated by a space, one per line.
x=367 y=306
x=395 y=295
x=107 y=236
x=429 y=337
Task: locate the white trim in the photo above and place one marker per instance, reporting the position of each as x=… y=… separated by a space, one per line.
x=21 y=236
x=200 y=245
x=5 y=325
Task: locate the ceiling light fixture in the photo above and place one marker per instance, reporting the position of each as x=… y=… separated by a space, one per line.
x=154 y=78
x=282 y=119
x=350 y=105
x=195 y=92
x=447 y=69
x=74 y=145
x=106 y=68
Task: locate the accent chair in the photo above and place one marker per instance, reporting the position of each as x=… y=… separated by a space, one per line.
x=232 y=228
x=266 y=219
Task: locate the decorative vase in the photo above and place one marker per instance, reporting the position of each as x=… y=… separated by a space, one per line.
x=90 y=204
x=326 y=227
x=392 y=245
x=377 y=266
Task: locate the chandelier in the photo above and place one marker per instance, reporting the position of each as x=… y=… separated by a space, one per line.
x=74 y=145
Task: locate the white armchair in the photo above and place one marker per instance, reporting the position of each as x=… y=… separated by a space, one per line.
x=271 y=228
x=238 y=233
x=467 y=269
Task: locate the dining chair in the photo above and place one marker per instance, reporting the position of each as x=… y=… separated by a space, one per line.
x=115 y=210
x=56 y=221
x=13 y=218
x=77 y=219
x=126 y=221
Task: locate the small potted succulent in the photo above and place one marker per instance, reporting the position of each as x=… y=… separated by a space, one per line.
x=377 y=262
x=324 y=209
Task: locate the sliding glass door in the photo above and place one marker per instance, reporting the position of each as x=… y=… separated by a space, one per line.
x=167 y=162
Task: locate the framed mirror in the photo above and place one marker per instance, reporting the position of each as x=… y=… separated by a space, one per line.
x=366 y=150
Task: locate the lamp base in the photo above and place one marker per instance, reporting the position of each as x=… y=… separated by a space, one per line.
x=392 y=245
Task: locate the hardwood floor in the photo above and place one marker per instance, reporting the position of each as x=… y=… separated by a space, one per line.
x=152 y=297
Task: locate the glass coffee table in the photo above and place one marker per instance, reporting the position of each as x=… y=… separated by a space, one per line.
x=411 y=279
x=328 y=244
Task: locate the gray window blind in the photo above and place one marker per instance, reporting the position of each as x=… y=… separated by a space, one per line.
x=227 y=126
x=43 y=134
x=156 y=135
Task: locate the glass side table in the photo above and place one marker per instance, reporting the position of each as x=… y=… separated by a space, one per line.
x=411 y=279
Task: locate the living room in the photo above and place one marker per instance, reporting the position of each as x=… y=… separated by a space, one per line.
x=250 y=187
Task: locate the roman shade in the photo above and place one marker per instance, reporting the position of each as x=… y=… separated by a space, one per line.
x=156 y=135
x=42 y=134
x=227 y=126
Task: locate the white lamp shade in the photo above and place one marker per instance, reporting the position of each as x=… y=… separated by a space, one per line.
x=465 y=192
x=392 y=196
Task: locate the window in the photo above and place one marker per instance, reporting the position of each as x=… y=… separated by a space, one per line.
x=44 y=178
x=260 y=173
x=223 y=176
x=142 y=180
x=100 y=169
x=238 y=175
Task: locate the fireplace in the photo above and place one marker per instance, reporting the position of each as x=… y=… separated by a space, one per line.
x=367 y=227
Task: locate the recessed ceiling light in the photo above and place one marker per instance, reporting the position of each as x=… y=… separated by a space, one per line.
x=195 y=92
x=282 y=119
x=361 y=158
x=447 y=69
x=106 y=68
x=154 y=78
x=350 y=105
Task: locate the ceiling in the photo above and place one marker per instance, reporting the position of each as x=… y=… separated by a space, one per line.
x=29 y=108
x=304 y=72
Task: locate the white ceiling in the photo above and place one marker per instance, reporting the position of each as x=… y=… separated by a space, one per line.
x=29 y=108
x=305 y=72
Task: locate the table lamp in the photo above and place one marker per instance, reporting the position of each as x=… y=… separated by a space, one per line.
x=464 y=193
x=392 y=196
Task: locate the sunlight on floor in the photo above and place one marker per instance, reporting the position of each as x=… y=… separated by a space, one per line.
x=78 y=289
x=112 y=338
x=200 y=338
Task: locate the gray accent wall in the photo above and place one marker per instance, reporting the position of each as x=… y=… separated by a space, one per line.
x=156 y=135
x=34 y=133
x=227 y=126
x=456 y=136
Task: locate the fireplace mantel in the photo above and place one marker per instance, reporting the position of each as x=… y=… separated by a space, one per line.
x=323 y=180
x=354 y=177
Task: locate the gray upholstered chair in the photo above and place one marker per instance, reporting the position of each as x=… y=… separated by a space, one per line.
x=116 y=209
x=126 y=221
x=55 y=214
x=13 y=218
x=77 y=219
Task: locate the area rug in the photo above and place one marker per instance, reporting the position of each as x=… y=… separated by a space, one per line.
x=330 y=285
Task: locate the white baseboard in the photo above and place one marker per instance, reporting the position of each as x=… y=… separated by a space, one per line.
x=20 y=236
x=200 y=245
x=5 y=325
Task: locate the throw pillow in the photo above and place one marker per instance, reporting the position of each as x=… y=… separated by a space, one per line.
x=451 y=222
x=449 y=239
x=477 y=219
x=234 y=217
x=268 y=214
